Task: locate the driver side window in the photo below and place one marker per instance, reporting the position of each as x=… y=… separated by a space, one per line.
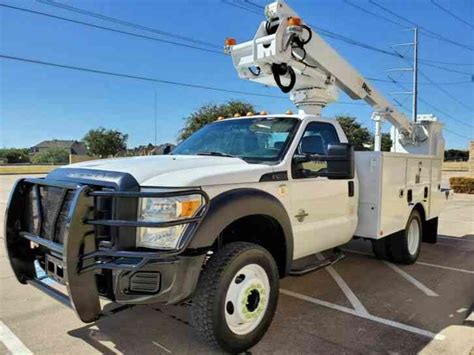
x=316 y=139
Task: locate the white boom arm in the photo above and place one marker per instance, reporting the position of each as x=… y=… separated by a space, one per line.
x=287 y=53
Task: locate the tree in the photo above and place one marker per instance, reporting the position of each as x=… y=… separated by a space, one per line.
x=14 y=155
x=386 y=142
x=51 y=156
x=103 y=142
x=359 y=136
x=210 y=112
x=456 y=155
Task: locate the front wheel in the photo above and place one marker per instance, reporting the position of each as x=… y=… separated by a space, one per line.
x=236 y=297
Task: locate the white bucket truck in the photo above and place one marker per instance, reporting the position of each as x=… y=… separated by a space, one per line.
x=224 y=216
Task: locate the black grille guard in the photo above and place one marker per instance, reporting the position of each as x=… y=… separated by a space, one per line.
x=79 y=253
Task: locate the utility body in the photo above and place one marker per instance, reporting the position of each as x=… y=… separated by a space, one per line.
x=236 y=206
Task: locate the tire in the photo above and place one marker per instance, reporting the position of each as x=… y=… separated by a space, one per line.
x=406 y=244
x=382 y=248
x=242 y=273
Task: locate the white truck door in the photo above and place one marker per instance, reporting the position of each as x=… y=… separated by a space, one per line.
x=324 y=211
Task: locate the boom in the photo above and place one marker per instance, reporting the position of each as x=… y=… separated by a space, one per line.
x=288 y=53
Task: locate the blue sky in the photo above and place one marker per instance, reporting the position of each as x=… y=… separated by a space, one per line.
x=39 y=102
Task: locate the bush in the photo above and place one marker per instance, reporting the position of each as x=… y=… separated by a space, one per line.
x=462 y=185
x=51 y=156
x=14 y=155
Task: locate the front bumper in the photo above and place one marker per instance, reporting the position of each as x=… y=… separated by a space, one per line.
x=67 y=245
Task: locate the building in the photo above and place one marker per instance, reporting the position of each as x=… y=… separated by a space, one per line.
x=73 y=147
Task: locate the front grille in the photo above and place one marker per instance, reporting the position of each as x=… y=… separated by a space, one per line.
x=47 y=208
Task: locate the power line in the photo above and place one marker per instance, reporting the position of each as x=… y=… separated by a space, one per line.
x=443 y=90
x=360 y=8
x=452 y=14
x=445 y=63
x=448 y=115
x=112 y=29
x=457 y=134
x=424 y=29
x=143 y=78
x=406 y=82
x=128 y=23
x=446 y=69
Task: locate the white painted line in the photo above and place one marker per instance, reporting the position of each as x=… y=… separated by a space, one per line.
x=355 y=302
x=417 y=263
x=411 y=279
x=162 y=347
x=368 y=316
x=445 y=267
x=11 y=341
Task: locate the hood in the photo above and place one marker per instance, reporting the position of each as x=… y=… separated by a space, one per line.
x=180 y=170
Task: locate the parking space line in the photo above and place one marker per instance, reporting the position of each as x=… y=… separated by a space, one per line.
x=367 y=316
x=12 y=342
x=412 y=280
x=417 y=263
x=445 y=267
x=355 y=302
x=162 y=347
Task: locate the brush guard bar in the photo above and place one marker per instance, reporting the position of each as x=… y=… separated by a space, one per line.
x=79 y=255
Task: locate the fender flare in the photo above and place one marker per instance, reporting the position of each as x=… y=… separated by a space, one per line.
x=232 y=205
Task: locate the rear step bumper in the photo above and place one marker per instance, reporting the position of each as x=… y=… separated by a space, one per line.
x=76 y=260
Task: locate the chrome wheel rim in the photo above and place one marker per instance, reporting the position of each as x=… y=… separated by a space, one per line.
x=246 y=299
x=413 y=236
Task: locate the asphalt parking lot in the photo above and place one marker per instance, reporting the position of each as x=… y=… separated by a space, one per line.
x=359 y=305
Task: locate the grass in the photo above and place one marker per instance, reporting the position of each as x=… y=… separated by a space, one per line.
x=26 y=169
x=455 y=166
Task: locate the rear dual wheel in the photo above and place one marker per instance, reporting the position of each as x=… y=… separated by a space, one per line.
x=404 y=246
x=236 y=297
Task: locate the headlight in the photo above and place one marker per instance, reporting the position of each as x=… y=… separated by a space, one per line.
x=164 y=210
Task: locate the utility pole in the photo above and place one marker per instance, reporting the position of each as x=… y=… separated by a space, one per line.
x=156 y=117
x=415 y=74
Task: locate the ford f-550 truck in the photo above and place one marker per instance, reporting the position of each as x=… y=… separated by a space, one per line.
x=224 y=216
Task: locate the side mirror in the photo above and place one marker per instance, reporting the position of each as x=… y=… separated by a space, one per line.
x=340 y=161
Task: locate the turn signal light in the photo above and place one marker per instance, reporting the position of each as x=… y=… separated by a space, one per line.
x=294 y=21
x=230 y=42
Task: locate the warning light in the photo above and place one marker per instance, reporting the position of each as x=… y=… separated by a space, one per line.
x=220 y=118
x=249 y=113
x=264 y=113
x=289 y=112
x=230 y=42
x=237 y=115
x=294 y=21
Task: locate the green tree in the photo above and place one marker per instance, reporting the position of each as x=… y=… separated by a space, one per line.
x=386 y=142
x=51 y=156
x=210 y=112
x=356 y=134
x=103 y=142
x=14 y=155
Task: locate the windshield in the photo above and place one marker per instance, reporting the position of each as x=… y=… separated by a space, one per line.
x=252 y=139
